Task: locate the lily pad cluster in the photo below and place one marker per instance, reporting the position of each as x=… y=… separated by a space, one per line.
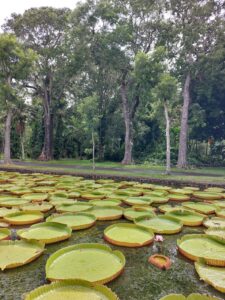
x=46 y=209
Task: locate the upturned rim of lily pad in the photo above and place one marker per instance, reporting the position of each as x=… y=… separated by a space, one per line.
x=45 y=289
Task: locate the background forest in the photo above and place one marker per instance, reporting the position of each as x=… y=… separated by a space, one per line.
x=128 y=79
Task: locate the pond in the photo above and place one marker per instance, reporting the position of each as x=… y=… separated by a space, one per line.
x=139 y=281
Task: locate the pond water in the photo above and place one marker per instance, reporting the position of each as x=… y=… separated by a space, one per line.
x=139 y=281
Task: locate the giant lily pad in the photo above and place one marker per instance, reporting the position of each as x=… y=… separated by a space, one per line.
x=158 y=199
x=129 y=235
x=181 y=191
x=5 y=211
x=92 y=262
x=215 y=190
x=214 y=222
x=179 y=197
x=207 y=195
x=48 y=232
x=75 y=221
x=214 y=276
x=17 y=253
x=72 y=290
x=106 y=202
x=195 y=246
x=74 y=194
x=137 y=201
x=135 y=212
x=187 y=217
x=75 y=207
x=13 y=202
x=219 y=203
x=167 y=207
x=35 y=197
x=43 y=207
x=93 y=195
x=160 y=224
x=200 y=207
x=24 y=217
x=107 y=212
x=217 y=232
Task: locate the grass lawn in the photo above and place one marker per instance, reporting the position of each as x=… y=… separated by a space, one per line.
x=107 y=164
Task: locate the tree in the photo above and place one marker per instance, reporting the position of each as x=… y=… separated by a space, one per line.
x=193 y=25
x=166 y=92
x=15 y=65
x=42 y=29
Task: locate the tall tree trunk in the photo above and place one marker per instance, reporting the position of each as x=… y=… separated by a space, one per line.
x=182 y=155
x=93 y=150
x=168 y=163
x=47 y=149
x=101 y=146
x=7 y=138
x=22 y=146
x=127 y=159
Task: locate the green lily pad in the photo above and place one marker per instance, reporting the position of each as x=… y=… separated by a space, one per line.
x=167 y=207
x=106 y=212
x=13 y=202
x=47 y=232
x=74 y=194
x=128 y=235
x=159 y=199
x=215 y=276
x=214 y=222
x=75 y=221
x=219 y=203
x=187 y=217
x=5 y=211
x=215 y=190
x=217 y=232
x=71 y=290
x=24 y=217
x=35 y=197
x=42 y=207
x=181 y=191
x=92 y=262
x=160 y=224
x=135 y=212
x=200 y=207
x=195 y=246
x=106 y=202
x=192 y=188
x=75 y=207
x=137 y=201
x=207 y=195
x=92 y=196
x=17 y=253
x=179 y=197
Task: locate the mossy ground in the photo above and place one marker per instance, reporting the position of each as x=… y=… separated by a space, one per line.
x=140 y=280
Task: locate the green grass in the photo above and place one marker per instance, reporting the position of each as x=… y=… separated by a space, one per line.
x=108 y=164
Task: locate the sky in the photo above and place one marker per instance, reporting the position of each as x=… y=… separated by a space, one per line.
x=19 y=6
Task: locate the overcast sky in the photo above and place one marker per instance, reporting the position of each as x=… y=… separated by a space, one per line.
x=19 y=6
